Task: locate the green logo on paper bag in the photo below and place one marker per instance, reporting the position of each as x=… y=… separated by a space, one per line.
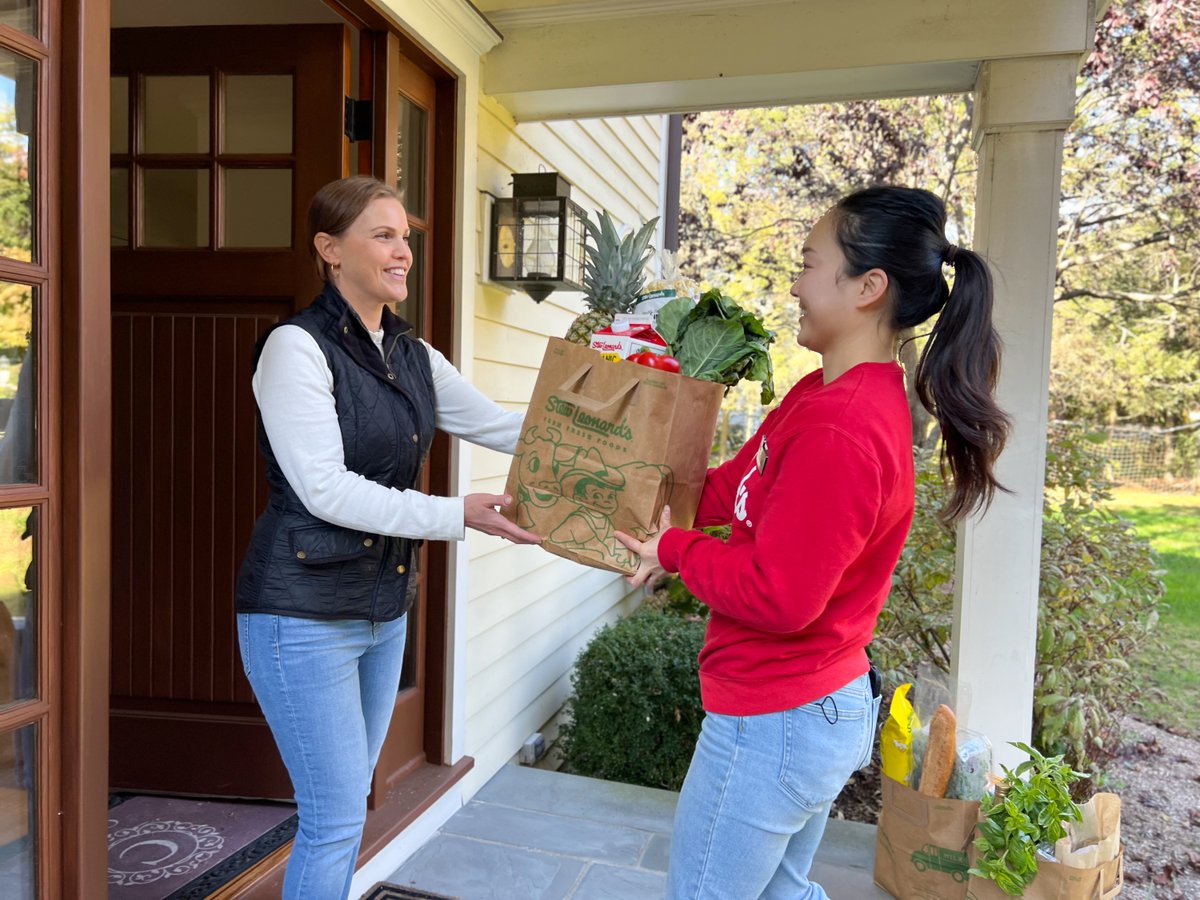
x=587 y=421
x=942 y=859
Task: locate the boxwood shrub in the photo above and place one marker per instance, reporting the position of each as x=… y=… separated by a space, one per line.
x=635 y=708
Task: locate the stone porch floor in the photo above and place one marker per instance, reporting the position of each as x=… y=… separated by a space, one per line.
x=533 y=834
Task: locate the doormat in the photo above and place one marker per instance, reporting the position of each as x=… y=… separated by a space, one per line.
x=171 y=848
x=399 y=892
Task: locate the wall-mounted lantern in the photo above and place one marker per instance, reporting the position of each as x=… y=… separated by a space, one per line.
x=538 y=237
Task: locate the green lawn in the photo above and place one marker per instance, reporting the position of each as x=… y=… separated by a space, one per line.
x=15 y=555
x=1172 y=525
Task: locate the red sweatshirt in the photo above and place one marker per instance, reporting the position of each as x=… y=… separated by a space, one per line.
x=820 y=500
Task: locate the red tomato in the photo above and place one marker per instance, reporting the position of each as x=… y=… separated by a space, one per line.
x=662 y=363
x=668 y=363
x=638 y=357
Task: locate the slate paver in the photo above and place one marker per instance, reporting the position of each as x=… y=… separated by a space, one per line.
x=476 y=870
x=534 y=834
x=565 y=835
x=584 y=798
x=655 y=855
x=602 y=882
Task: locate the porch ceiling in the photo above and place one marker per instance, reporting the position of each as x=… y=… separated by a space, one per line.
x=583 y=58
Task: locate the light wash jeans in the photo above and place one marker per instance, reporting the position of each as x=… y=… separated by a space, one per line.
x=757 y=796
x=327 y=688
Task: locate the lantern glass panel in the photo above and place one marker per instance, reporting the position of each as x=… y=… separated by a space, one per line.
x=573 y=246
x=504 y=240
x=540 y=226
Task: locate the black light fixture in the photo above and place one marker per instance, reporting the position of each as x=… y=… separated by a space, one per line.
x=538 y=237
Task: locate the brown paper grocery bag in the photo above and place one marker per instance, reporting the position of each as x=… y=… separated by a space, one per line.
x=1093 y=866
x=921 y=844
x=604 y=446
x=1055 y=881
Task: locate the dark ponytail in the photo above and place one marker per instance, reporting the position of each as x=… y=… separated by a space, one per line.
x=902 y=232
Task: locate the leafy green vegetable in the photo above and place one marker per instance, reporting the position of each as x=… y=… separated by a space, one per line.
x=670 y=319
x=1031 y=805
x=711 y=346
x=717 y=340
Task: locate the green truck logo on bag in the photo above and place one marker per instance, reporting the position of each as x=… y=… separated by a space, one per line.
x=942 y=859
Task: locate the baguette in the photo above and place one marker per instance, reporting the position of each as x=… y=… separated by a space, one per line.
x=940 y=753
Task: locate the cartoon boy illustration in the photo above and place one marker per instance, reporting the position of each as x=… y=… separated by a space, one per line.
x=588 y=531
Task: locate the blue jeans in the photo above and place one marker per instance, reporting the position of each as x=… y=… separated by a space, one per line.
x=757 y=796
x=327 y=688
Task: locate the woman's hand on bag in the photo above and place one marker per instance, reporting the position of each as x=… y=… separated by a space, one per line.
x=482 y=512
x=649 y=569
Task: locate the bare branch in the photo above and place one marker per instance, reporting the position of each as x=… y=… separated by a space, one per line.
x=1112 y=250
x=1186 y=300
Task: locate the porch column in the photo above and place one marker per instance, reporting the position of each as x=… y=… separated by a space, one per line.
x=1022 y=108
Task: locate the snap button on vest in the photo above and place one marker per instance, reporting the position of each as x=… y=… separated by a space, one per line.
x=367 y=542
x=391 y=376
x=416 y=439
x=300 y=554
x=400 y=570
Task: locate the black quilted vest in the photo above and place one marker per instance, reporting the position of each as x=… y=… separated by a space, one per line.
x=299 y=565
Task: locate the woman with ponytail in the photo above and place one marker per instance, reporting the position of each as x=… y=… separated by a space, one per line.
x=820 y=501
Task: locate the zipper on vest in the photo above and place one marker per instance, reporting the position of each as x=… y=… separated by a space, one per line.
x=387 y=361
x=413 y=406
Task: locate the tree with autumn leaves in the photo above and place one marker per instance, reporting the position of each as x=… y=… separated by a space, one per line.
x=1127 y=297
x=16 y=235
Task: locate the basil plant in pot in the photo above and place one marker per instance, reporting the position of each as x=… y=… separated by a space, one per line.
x=1028 y=810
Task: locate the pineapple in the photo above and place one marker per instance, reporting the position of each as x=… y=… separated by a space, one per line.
x=613 y=274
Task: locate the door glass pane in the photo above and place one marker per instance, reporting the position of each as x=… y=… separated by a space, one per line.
x=412 y=309
x=18 y=607
x=176 y=113
x=18 y=386
x=118 y=113
x=258 y=208
x=175 y=207
x=18 y=155
x=410 y=156
x=119 y=207
x=258 y=113
x=20 y=14
x=18 y=813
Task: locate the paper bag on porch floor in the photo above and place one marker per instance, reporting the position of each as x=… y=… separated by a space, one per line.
x=1056 y=881
x=604 y=446
x=921 y=844
x=1090 y=860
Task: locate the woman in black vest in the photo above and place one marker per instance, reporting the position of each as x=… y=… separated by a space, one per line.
x=348 y=400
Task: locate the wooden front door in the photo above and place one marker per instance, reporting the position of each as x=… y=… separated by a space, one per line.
x=406 y=116
x=221 y=135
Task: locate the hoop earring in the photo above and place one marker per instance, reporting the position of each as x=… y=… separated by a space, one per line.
x=335 y=270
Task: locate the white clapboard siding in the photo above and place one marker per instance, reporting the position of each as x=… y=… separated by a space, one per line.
x=488 y=465
x=530 y=613
x=506 y=564
x=537 y=627
x=532 y=683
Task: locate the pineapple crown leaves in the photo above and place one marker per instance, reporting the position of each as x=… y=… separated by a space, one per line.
x=614 y=268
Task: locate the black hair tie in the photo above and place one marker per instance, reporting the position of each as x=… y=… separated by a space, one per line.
x=950 y=253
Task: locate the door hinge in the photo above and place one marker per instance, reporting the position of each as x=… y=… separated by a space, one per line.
x=358 y=119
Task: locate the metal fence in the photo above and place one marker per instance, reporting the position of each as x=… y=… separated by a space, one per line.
x=1154 y=459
